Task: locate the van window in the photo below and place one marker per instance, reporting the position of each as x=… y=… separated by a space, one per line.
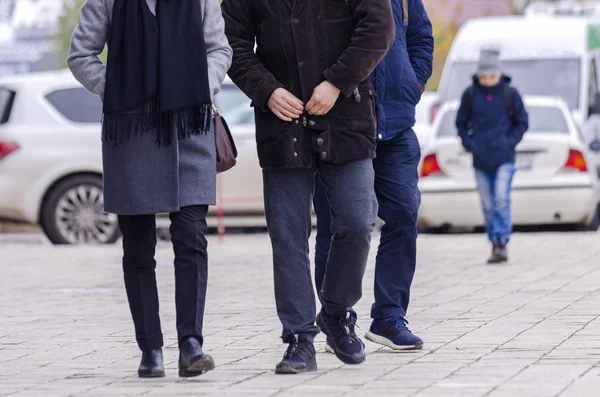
x=7 y=98
x=544 y=77
x=542 y=119
x=592 y=86
x=77 y=105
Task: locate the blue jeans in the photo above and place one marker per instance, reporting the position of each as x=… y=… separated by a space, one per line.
x=494 y=189
x=396 y=179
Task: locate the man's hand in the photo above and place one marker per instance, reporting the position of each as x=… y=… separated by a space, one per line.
x=323 y=98
x=285 y=105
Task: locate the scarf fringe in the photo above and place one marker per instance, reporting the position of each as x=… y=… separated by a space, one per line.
x=117 y=128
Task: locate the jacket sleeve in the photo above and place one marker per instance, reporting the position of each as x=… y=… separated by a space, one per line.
x=372 y=38
x=520 y=121
x=462 y=125
x=419 y=41
x=247 y=70
x=218 y=51
x=87 y=43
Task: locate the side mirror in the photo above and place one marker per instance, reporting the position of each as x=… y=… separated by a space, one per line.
x=595 y=146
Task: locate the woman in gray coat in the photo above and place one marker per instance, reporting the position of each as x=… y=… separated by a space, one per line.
x=165 y=63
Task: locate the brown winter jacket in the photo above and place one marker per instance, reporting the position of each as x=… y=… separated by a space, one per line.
x=297 y=48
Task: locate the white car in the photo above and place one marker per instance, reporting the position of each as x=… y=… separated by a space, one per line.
x=51 y=168
x=554 y=184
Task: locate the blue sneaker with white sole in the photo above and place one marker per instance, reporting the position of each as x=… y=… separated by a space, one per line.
x=394 y=333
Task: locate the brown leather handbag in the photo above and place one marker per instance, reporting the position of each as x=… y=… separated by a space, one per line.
x=226 y=150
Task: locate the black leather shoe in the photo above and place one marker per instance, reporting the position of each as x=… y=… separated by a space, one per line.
x=192 y=361
x=300 y=357
x=152 y=364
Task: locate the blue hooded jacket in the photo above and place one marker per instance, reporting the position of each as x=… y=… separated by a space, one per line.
x=487 y=130
x=408 y=63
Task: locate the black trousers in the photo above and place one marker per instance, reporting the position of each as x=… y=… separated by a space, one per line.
x=188 y=229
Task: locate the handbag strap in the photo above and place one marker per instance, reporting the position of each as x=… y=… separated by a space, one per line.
x=215 y=110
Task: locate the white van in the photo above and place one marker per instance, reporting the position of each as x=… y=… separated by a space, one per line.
x=545 y=55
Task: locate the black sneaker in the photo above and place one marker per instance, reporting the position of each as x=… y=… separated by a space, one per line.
x=300 y=357
x=341 y=337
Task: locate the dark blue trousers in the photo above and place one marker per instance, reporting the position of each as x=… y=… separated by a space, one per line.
x=396 y=179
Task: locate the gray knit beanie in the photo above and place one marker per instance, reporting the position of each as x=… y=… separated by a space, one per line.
x=489 y=62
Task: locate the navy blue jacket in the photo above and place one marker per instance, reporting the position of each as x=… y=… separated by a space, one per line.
x=408 y=63
x=487 y=130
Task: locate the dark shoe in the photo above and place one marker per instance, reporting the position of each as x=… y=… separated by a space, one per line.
x=502 y=253
x=300 y=357
x=192 y=361
x=499 y=254
x=394 y=333
x=152 y=364
x=341 y=337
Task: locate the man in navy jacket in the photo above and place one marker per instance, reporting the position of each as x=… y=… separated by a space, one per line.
x=399 y=81
x=491 y=122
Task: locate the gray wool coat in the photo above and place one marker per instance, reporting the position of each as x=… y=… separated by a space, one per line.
x=140 y=177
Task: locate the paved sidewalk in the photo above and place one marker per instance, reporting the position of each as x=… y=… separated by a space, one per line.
x=530 y=328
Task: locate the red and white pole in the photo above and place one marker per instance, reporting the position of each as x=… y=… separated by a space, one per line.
x=220 y=203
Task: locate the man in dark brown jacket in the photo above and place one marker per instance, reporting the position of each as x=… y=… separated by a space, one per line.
x=305 y=64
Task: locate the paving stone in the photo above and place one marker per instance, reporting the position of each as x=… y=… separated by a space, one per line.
x=530 y=328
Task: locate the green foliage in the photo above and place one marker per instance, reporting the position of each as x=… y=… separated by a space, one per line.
x=67 y=23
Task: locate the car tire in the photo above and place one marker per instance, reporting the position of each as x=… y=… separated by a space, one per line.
x=594 y=224
x=73 y=213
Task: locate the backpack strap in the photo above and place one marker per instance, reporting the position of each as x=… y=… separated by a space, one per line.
x=509 y=101
x=405 y=11
x=468 y=103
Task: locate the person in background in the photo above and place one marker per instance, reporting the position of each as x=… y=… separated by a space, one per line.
x=399 y=80
x=308 y=81
x=166 y=60
x=491 y=121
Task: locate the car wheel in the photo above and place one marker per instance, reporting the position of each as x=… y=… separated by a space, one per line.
x=594 y=224
x=73 y=213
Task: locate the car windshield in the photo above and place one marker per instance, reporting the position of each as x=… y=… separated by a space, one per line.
x=544 y=77
x=542 y=120
x=234 y=105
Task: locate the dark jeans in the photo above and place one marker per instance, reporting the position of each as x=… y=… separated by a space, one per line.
x=396 y=179
x=288 y=201
x=188 y=229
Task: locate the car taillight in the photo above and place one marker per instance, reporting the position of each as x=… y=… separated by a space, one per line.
x=576 y=161
x=434 y=112
x=430 y=166
x=7 y=148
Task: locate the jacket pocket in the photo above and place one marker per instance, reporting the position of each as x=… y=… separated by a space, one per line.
x=358 y=117
x=413 y=86
x=335 y=10
x=491 y=150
